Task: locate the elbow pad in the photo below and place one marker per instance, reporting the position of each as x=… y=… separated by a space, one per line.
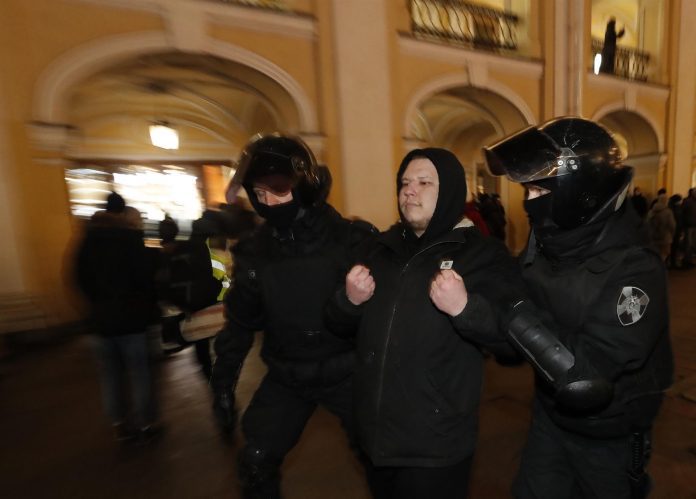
x=549 y=357
x=577 y=389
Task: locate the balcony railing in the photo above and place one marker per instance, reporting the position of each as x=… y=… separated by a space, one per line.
x=455 y=21
x=629 y=63
x=261 y=4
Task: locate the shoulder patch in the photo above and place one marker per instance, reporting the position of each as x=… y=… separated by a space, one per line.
x=631 y=305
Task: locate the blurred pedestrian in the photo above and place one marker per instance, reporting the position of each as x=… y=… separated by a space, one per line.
x=662 y=226
x=640 y=204
x=689 y=224
x=676 y=207
x=116 y=275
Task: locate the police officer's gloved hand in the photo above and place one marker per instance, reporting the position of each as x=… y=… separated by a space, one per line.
x=583 y=389
x=225 y=412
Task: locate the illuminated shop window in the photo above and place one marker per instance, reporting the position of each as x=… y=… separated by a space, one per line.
x=153 y=190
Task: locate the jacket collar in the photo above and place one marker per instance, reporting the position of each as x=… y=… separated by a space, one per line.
x=395 y=238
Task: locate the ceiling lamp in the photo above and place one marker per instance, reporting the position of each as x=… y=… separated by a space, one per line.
x=164 y=136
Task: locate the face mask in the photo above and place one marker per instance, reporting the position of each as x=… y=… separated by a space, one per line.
x=280 y=216
x=539 y=211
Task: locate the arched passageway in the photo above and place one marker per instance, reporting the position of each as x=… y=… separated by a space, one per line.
x=464 y=119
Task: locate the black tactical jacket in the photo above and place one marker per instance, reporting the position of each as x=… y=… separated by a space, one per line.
x=610 y=307
x=281 y=285
x=419 y=371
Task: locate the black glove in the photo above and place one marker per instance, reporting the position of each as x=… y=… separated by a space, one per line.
x=225 y=412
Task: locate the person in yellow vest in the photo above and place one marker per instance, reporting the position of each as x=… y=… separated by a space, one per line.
x=221 y=261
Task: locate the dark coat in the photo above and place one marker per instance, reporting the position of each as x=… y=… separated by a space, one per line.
x=584 y=299
x=419 y=373
x=281 y=286
x=115 y=271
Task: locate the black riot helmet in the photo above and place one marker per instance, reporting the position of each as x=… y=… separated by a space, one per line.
x=577 y=160
x=280 y=162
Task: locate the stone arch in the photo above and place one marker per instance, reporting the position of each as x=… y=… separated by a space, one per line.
x=54 y=84
x=640 y=136
x=641 y=117
x=456 y=80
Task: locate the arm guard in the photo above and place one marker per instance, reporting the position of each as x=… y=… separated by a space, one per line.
x=576 y=388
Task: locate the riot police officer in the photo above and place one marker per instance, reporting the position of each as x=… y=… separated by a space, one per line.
x=283 y=275
x=597 y=330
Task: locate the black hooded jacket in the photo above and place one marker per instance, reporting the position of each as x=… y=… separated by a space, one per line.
x=115 y=271
x=419 y=371
x=281 y=285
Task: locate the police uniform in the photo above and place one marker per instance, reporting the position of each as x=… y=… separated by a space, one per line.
x=284 y=274
x=599 y=291
x=611 y=312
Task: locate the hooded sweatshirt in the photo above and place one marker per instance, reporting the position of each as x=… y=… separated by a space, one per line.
x=419 y=371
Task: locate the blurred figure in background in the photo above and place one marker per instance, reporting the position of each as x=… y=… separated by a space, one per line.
x=494 y=214
x=689 y=223
x=662 y=225
x=661 y=196
x=116 y=275
x=609 y=47
x=168 y=229
x=193 y=278
x=676 y=207
x=471 y=211
x=640 y=204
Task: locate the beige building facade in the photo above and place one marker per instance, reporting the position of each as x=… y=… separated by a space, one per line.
x=362 y=81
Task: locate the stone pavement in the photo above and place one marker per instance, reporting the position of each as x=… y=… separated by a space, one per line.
x=56 y=442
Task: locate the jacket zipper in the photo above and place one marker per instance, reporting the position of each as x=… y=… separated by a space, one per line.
x=380 y=388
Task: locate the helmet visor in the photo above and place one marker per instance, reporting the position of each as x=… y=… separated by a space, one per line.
x=529 y=155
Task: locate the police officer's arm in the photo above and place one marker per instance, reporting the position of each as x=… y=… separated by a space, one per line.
x=482 y=319
x=584 y=367
x=341 y=314
x=630 y=317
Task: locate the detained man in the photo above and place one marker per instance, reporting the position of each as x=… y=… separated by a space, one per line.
x=423 y=304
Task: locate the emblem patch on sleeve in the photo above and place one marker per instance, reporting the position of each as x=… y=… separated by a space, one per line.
x=631 y=305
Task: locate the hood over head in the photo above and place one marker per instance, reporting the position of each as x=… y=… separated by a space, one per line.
x=451 y=198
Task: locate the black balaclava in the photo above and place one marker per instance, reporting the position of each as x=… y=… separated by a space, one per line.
x=451 y=197
x=558 y=243
x=280 y=216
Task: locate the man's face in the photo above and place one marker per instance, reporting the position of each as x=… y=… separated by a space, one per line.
x=418 y=194
x=269 y=197
x=534 y=191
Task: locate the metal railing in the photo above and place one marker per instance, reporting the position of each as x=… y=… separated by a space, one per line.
x=629 y=63
x=455 y=21
x=261 y=4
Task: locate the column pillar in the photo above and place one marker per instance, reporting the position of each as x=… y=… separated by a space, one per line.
x=361 y=31
x=682 y=96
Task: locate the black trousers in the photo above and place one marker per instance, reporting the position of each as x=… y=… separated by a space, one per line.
x=278 y=413
x=450 y=482
x=557 y=464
